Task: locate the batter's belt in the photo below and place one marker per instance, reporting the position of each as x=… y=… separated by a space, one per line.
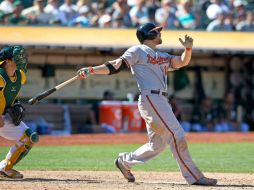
x=159 y=92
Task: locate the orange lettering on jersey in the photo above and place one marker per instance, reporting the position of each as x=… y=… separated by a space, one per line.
x=159 y=60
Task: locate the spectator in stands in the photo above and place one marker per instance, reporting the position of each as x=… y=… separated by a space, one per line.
x=231 y=115
x=203 y=5
x=83 y=20
x=120 y=15
x=7 y=6
x=69 y=10
x=229 y=21
x=97 y=10
x=104 y=20
x=179 y=113
x=81 y=3
x=152 y=6
x=58 y=16
x=200 y=9
x=239 y=19
x=3 y=18
x=201 y=20
x=204 y=116
x=117 y=21
x=229 y=4
x=247 y=25
x=139 y=13
x=16 y=18
x=165 y=16
x=36 y=14
x=185 y=15
x=239 y=7
x=215 y=8
x=220 y=24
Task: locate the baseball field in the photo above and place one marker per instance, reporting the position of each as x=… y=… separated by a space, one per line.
x=87 y=162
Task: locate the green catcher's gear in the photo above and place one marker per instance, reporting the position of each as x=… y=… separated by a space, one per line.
x=22 y=148
x=20 y=57
x=17 y=53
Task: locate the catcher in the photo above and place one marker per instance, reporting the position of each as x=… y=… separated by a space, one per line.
x=13 y=63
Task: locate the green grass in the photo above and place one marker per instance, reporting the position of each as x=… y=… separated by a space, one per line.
x=227 y=157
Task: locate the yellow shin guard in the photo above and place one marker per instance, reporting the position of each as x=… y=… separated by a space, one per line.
x=27 y=140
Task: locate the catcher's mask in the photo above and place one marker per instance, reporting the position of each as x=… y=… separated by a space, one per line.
x=17 y=54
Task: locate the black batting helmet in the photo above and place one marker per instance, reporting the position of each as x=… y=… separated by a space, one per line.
x=147 y=32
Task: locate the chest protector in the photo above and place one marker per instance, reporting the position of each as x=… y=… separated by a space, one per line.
x=11 y=89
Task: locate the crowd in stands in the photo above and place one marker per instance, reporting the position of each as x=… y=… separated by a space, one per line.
x=210 y=15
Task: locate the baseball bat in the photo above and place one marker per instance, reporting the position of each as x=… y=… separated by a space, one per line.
x=46 y=93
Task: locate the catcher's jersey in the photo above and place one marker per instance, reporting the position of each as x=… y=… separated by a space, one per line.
x=149 y=67
x=9 y=88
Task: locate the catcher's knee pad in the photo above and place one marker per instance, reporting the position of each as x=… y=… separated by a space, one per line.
x=22 y=148
x=33 y=136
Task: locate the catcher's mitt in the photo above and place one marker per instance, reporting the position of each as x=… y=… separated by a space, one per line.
x=16 y=112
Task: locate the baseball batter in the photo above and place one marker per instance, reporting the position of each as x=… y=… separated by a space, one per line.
x=13 y=64
x=149 y=67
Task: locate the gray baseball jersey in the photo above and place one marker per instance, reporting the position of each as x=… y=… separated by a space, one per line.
x=148 y=67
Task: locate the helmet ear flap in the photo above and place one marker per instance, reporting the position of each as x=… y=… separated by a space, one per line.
x=140 y=36
x=151 y=35
x=146 y=36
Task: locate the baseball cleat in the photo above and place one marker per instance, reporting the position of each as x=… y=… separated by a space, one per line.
x=206 y=181
x=11 y=174
x=126 y=173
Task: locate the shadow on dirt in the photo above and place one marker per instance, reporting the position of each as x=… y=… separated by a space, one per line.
x=232 y=185
x=52 y=180
x=186 y=185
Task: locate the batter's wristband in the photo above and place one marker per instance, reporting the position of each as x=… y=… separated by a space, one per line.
x=188 y=49
x=91 y=70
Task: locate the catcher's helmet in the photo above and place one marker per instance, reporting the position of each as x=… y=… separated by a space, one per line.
x=6 y=53
x=17 y=53
x=147 y=32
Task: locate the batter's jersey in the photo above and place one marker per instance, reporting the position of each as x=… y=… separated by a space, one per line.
x=9 y=88
x=149 y=67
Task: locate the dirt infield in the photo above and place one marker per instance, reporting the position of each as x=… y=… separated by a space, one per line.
x=134 y=138
x=91 y=180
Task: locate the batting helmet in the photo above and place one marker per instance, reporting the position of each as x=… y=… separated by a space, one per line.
x=147 y=32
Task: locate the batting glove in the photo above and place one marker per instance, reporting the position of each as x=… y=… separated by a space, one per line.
x=85 y=72
x=187 y=43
